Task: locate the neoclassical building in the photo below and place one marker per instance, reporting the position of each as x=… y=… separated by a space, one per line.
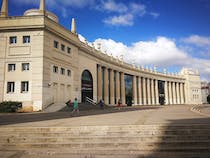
x=43 y=63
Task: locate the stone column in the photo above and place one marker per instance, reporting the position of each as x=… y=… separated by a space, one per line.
x=156 y=93
x=178 y=92
x=174 y=92
x=4 y=8
x=153 y=91
x=140 y=91
x=182 y=92
x=111 y=87
x=144 y=91
x=99 y=86
x=166 y=93
x=148 y=92
x=170 y=93
x=122 y=96
x=134 y=90
x=117 y=86
x=106 y=86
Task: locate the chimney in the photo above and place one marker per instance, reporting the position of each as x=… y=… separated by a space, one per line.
x=42 y=6
x=73 y=26
x=4 y=8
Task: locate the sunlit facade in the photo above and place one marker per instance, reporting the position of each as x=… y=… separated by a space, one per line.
x=43 y=63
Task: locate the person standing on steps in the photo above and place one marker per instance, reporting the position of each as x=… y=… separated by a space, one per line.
x=75 y=107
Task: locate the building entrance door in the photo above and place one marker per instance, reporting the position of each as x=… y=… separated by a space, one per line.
x=87 y=85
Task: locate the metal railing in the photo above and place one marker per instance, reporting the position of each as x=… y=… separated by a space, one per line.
x=91 y=101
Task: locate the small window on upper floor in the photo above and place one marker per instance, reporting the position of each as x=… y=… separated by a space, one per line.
x=56 y=44
x=62 y=71
x=62 y=47
x=11 y=67
x=26 y=39
x=55 y=69
x=10 y=87
x=69 y=72
x=13 y=39
x=24 y=86
x=25 y=66
x=68 y=50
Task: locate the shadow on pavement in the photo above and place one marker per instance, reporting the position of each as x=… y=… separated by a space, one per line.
x=15 y=118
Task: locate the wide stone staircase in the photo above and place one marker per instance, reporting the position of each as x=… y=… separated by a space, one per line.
x=123 y=141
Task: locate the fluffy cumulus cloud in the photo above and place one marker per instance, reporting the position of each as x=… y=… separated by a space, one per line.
x=163 y=52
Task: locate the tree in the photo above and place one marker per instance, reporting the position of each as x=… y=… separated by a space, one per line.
x=208 y=98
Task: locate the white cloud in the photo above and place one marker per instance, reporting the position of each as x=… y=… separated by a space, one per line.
x=155 y=15
x=121 y=20
x=112 y=6
x=126 y=12
x=162 y=52
x=197 y=40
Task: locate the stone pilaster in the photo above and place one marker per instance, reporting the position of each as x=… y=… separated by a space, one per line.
x=153 y=91
x=156 y=93
x=178 y=92
x=139 y=91
x=174 y=92
x=99 y=82
x=117 y=86
x=148 y=92
x=170 y=93
x=134 y=90
x=122 y=96
x=106 y=86
x=144 y=91
x=182 y=92
x=111 y=87
x=166 y=93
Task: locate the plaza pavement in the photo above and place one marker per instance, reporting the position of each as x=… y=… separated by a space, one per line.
x=137 y=115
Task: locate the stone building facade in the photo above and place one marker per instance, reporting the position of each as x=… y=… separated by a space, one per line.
x=42 y=63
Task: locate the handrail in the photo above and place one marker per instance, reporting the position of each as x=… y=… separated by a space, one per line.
x=91 y=101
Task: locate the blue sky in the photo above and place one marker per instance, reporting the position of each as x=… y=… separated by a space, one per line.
x=167 y=33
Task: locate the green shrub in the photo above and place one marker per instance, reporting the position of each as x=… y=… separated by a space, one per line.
x=208 y=99
x=10 y=106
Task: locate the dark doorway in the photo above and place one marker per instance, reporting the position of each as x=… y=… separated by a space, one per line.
x=87 y=85
x=161 y=92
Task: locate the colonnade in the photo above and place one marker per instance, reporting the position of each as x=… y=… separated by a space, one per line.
x=111 y=88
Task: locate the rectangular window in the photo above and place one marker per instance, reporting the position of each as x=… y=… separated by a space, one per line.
x=10 y=87
x=55 y=44
x=11 y=67
x=55 y=69
x=62 y=71
x=69 y=72
x=25 y=66
x=13 y=39
x=62 y=47
x=26 y=39
x=68 y=50
x=24 y=86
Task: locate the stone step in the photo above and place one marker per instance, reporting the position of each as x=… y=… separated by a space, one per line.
x=107 y=128
x=148 y=139
x=114 y=154
x=93 y=134
x=112 y=145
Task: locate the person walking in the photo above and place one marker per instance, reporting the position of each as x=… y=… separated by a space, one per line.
x=75 y=107
x=101 y=103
